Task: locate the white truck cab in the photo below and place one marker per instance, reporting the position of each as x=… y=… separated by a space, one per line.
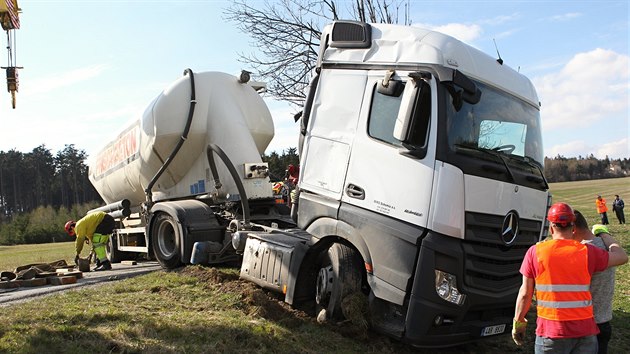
x=425 y=157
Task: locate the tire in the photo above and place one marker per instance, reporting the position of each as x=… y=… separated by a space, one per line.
x=339 y=275
x=166 y=240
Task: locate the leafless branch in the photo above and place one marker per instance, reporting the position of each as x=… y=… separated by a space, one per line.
x=286 y=35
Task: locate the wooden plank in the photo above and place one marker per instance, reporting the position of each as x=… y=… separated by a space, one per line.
x=10 y=284
x=34 y=282
x=65 y=270
x=62 y=280
x=129 y=262
x=77 y=274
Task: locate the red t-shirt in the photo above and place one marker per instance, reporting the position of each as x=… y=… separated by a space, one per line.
x=597 y=262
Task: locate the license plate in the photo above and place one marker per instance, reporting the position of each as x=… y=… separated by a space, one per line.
x=492 y=330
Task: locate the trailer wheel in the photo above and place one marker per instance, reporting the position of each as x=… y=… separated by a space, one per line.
x=166 y=239
x=339 y=276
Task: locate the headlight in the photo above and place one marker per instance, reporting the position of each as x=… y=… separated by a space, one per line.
x=446 y=287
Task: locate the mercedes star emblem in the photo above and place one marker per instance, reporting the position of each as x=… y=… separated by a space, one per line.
x=509 y=231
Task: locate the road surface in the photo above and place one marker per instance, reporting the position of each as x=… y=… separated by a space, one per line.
x=119 y=271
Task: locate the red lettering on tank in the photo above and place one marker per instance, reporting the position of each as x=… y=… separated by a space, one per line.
x=124 y=147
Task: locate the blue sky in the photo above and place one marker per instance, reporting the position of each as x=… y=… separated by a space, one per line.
x=91 y=67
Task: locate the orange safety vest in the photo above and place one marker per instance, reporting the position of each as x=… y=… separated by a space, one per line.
x=601 y=205
x=563 y=282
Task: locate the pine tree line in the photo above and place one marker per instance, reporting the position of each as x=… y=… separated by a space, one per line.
x=41 y=179
x=563 y=169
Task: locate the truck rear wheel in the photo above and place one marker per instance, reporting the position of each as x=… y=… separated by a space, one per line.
x=166 y=240
x=339 y=276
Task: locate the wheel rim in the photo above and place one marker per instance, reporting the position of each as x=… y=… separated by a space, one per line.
x=323 y=287
x=167 y=238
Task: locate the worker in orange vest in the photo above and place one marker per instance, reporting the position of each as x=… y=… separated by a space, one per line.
x=600 y=203
x=560 y=271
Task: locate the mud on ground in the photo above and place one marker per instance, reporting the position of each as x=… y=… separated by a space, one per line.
x=259 y=302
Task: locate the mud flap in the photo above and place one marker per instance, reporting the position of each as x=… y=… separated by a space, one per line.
x=272 y=260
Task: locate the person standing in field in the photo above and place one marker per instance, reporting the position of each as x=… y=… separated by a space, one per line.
x=618 y=209
x=96 y=227
x=600 y=203
x=560 y=271
x=602 y=283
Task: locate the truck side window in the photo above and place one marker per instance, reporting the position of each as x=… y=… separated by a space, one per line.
x=383 y=113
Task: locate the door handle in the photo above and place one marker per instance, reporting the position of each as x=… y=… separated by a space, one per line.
x=354 y=191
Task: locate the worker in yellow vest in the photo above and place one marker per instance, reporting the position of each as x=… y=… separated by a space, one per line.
x=560 y=271
x=95 y=227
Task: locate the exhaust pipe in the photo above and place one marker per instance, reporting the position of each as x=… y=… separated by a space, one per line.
x=116 y=209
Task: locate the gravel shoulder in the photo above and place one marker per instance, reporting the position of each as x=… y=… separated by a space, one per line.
x=119 y=271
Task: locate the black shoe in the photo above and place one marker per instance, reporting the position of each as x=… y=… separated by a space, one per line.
x=105 y=265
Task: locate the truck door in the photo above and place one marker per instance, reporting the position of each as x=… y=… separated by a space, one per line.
x=332 y=128
x=386 y=175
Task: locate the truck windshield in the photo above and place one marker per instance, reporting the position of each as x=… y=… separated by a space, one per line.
x=499 y=130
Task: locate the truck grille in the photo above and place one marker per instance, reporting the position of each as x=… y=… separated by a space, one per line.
x=490 y=264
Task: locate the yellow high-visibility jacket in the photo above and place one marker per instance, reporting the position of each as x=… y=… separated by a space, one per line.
x=85 y=228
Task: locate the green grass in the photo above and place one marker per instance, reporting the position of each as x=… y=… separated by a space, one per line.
x=209 y=310
x=14 y=256
x=195 y=310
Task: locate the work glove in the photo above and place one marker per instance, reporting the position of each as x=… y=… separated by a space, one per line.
x=76 y=259
x=599 y=228
x=518 y=331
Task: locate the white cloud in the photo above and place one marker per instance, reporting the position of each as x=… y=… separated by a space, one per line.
x=286 y=129
x=501 y=19
x=591 y=87
x=615 y=149
x=62 y=79
x=564 y=17
x=505 y=34
x=463 y=32
x=570 y=149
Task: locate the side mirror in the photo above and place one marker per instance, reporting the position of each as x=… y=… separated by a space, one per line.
x=408 y=103
x=471 y=93
x=404 y=117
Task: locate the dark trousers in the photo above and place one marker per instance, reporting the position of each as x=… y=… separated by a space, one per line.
x=605 y=331
x=604 y=218
x=107 y=226
x=620 y=216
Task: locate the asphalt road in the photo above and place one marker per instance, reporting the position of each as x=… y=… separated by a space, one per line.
x=119 y=271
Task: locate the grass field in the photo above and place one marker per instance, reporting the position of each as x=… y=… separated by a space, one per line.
x=14 y=256
x=208 y=310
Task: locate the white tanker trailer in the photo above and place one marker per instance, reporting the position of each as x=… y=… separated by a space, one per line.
x=164 y=180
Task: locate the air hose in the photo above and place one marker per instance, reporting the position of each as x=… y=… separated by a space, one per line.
x=182 y=139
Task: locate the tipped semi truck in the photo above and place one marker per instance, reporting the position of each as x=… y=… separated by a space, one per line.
x=421 y=184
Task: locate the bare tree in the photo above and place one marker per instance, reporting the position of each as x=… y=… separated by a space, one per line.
x=286 y=35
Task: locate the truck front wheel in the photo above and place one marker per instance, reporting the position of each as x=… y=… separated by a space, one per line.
x=166 y=240
x=338 y=283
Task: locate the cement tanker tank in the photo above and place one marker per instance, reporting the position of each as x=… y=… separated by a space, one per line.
x=224 y=112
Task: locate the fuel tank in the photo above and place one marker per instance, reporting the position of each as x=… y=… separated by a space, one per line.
x=227 y=113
